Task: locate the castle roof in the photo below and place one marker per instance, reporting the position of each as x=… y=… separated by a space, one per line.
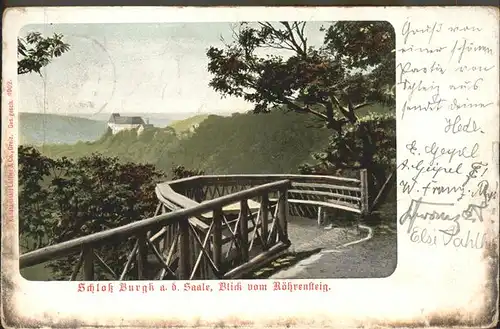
x=116 y=118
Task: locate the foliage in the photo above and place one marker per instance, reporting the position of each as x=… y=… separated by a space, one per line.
x=179 y=172
x=381 y=130
x=33 y=195
x=277 y=142
x=328 y=76
x=35 y=51
x=351 y=70
x=242 y=143
x=151 y=146
x=366 y=45
x=63 y=199
x=247 y=143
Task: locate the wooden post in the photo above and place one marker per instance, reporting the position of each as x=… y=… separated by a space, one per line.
x=243 y=228
x=193 y=251
x=142 y=255
x=364 y=191
x=364 y=207
x=169 y=239
x=320 y=213
x=217 y=237
x=282 y=213
x=88 y=264
x=166 y=238
x=198 y=192
x=184 y=251
x=264 y=212
x=158 y=243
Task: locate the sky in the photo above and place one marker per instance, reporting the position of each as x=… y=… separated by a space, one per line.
x=133 y=68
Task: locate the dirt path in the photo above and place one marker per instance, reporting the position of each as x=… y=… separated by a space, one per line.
x=372 y=257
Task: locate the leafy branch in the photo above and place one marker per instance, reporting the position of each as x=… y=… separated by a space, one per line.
x=35 y=51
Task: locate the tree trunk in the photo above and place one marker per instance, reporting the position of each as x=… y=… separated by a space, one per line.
x=379 y=176
x=367 y=162
x=384 y=192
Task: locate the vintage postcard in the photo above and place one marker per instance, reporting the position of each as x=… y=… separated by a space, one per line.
x=250 y=167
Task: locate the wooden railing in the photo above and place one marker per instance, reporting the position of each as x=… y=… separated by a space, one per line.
x=307 y=197
x=225 y=237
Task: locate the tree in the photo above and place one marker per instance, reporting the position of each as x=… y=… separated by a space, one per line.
x=179 y=172
x=35 y=51
x=351 y=70
x=33 y=195
x=62 y=199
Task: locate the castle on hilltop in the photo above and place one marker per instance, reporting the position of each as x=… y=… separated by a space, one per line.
x=119 y=123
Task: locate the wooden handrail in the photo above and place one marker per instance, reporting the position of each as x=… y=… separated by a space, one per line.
x=239 y=177
x=93 y=240
x=175 y=191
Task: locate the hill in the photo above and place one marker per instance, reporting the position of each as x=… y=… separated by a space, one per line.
x=157 y=119
x=241 y=143
x=147 y=147
x=47 y=128
x=182 y=126
x=276 y=142
x=44 y=128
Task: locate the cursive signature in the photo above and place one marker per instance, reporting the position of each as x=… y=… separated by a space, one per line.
x=472 y=213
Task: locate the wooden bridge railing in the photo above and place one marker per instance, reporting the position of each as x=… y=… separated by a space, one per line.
x=197 y=241
x=307 y=197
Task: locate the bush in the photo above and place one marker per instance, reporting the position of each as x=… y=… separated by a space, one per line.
x=347 y=152
x=64 y=199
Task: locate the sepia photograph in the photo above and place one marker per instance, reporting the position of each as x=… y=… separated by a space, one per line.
x=199 y=151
